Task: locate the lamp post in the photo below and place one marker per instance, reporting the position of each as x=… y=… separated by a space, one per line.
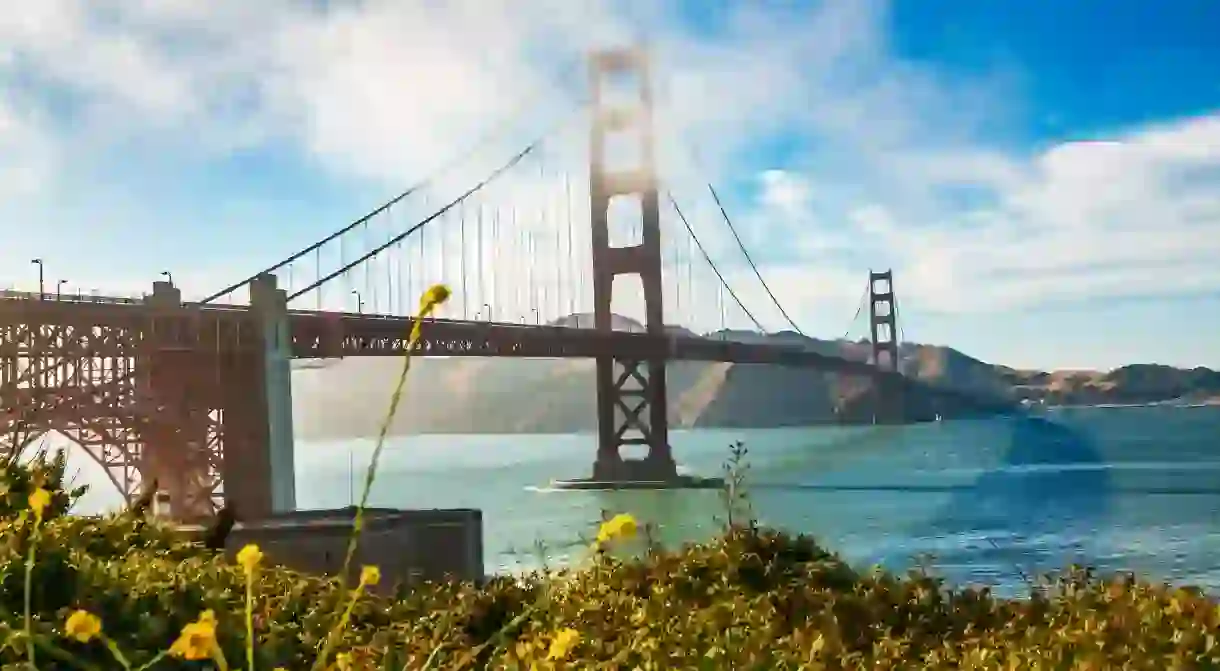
x=59 y=288
x=42 y=292
x=488 y=308
x=168 y=276
x=359 y=302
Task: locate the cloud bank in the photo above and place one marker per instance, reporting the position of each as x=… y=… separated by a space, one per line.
x=833 y=154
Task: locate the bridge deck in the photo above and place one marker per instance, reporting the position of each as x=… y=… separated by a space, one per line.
x=321 y=335
x=315 y=336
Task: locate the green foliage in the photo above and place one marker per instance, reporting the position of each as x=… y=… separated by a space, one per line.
x=753 y=599
x=19 y=479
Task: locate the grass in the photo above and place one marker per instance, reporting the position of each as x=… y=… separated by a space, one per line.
x=123 y=592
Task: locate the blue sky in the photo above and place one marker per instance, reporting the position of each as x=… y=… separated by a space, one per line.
x=954 y=141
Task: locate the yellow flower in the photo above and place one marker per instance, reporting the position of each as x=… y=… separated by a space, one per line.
x=619 y=526
x=436 y=295
x=562 y=644
x=249 y=558
x=370 y=575
x=198 y=639
x=82 y=625
x=343 y=661
x=39 y=500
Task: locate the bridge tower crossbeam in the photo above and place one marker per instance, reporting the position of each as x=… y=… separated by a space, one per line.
x=631 y=394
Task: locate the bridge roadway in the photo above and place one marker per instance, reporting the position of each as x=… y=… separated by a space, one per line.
x=314 y=336
x=322 y=334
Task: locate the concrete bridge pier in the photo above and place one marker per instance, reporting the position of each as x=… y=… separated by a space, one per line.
x=269 y=306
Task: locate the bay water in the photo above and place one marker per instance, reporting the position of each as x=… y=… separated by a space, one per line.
x=979 y=501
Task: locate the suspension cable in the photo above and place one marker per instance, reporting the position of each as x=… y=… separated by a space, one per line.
x=517 y=158
x=708 y=258
x=694 y=155
x=746 y=253
x=484 y=139
x=859 y=309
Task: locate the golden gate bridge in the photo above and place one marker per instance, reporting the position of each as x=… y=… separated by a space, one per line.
x=197 y=394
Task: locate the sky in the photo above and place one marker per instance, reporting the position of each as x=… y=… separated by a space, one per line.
x=1042 y=177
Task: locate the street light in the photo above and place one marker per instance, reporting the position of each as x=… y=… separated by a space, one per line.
x=42 y=292
x=59 y=288
x=168 y=276
x=359 y=302
x=537 y=317
x=488 y=308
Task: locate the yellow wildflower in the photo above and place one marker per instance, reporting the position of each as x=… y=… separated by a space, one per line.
x=249 y=558
x=82 y=625
x=39 y=500
x=343 y=661
x=370 y=575
x=436 y=295
x=562 y=644
x=619 y=526
x=198 y=639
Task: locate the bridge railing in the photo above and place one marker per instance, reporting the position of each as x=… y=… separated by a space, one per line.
x=13 y=295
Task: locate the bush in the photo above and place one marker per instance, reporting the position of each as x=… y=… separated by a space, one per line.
x=753 y=599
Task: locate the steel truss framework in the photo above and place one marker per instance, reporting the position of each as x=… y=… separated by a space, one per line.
x=146 y=392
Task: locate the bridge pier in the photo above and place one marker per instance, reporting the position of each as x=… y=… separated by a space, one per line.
x=218 y=411
x=270 y=308
x=245 y=460
x=174 y=410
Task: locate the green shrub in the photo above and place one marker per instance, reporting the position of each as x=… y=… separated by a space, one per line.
x=20 y=479
x=753 y=599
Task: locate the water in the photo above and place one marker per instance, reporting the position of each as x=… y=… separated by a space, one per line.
x=981 y=501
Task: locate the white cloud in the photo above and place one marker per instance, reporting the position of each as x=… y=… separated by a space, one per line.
x=384 y=91
x=1086 y=220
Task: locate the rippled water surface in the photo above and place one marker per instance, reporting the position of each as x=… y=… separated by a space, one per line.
x=1118 y=488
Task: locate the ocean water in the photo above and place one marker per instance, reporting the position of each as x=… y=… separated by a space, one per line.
x=980 y=501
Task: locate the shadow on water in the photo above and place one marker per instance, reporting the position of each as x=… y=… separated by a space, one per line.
x=1008 y=516
x=1030 y=501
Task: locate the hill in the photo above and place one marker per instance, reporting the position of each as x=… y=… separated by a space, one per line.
x=1131 y=384
x=458 y=395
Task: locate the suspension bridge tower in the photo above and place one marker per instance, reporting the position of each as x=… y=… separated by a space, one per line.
x=883 y=329
x=631 y=398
